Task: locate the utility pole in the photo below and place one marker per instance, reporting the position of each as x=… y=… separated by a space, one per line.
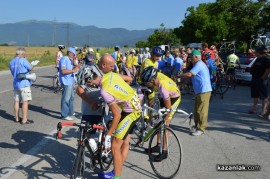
x=54 y=32
x=67 y=26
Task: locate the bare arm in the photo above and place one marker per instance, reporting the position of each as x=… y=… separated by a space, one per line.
x=116 y=117
x=188 y=74
x=266 y=73
x=66 y=72
x=80 y=91
x=126 y=78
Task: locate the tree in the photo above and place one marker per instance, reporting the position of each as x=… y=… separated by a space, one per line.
x=229 y=19
x=159 y=37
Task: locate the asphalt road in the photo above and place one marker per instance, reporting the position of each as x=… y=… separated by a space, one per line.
x=232 y=137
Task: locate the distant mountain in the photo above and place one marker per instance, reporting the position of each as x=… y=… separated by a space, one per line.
x=39 y=33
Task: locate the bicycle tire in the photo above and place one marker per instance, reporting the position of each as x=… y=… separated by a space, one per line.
x=104 y=162
x=223 y=86
x=79 y=164
x=54 y=82
x=137 y=135
x=255 y=43
x=173 y=161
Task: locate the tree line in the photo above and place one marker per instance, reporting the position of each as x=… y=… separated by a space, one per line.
x=234 y=20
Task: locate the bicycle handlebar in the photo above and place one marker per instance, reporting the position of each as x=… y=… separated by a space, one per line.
x=160 y=111
x=69 y=123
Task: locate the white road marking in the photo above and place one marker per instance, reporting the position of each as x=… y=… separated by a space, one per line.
x=29 y=154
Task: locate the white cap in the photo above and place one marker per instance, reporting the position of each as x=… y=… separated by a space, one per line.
x=90 y=50
x=133 y=51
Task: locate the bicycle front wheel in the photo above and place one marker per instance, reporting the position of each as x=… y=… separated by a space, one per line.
x=169 y=166
x=105 y=157
x=79 y=164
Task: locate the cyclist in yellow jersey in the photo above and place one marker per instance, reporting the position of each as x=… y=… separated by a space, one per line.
x=232 y=60
x=171 y=98
x=117 y=93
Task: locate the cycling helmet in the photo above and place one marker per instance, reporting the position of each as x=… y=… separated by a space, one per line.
x=147 y=49
x=116 y=48
x=148 y=74
x=61 y=47
x=207 y=54
x=87 y=72
x=76 y=48
x=213 y=47
x=98 y=49
x=157 y=51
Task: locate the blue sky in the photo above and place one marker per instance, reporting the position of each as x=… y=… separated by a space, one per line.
x=132 y=15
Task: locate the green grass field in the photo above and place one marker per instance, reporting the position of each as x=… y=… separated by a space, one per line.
x=46 y=55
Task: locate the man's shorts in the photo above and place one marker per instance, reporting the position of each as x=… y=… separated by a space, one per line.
x=259 y=88
x=23 y=94
x=126 y=124
x=92 y=119
x=174 y=103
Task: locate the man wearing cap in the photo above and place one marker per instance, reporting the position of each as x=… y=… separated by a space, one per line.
x=202 y=89
x=66 y=75
x=90 y=58
x=260 y=71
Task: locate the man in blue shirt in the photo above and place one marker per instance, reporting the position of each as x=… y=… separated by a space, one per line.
x=22 y=90
x=66 y=76
x=202 y=88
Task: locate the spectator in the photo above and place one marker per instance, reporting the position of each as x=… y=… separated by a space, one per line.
x=90 y=58
x=260 y=71
x=66 y=76
x=97 y=55
x=22 y=87
x=169 y=63
x=206 y=49
x=202 y=88
x=177 y=64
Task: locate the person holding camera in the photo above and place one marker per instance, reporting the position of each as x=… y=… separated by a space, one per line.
x=22 y=86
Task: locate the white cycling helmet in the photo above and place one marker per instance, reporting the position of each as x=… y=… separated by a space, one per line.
x=147 y=49
x=87 y=72
x=90 y=50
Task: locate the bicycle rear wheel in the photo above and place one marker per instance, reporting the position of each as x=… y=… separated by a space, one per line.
x=168 y=167
x=79 y=164
x=223 y=86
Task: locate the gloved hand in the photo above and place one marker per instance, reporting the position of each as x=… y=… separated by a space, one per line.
x=108 y=141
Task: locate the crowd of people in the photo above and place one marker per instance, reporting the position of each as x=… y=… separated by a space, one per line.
x=111 y=76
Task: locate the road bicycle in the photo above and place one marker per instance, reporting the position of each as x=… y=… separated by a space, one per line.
x=259 y=41
x=96 y=148
x=169 y=166
x=222 y=85
x=56 y=83
x=227 y=47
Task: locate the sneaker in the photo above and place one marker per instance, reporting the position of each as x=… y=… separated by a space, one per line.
x=154 y=149
x=197 y=133
x=108 y=175
x=68 y=118
x=193 y=129
x=74 y=114
x=161 y=157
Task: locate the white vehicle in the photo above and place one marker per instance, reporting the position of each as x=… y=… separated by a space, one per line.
x=165 y=47
x=243 y=74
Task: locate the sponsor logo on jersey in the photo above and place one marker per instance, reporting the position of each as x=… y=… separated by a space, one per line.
x=120 y=89
x=123 y=127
